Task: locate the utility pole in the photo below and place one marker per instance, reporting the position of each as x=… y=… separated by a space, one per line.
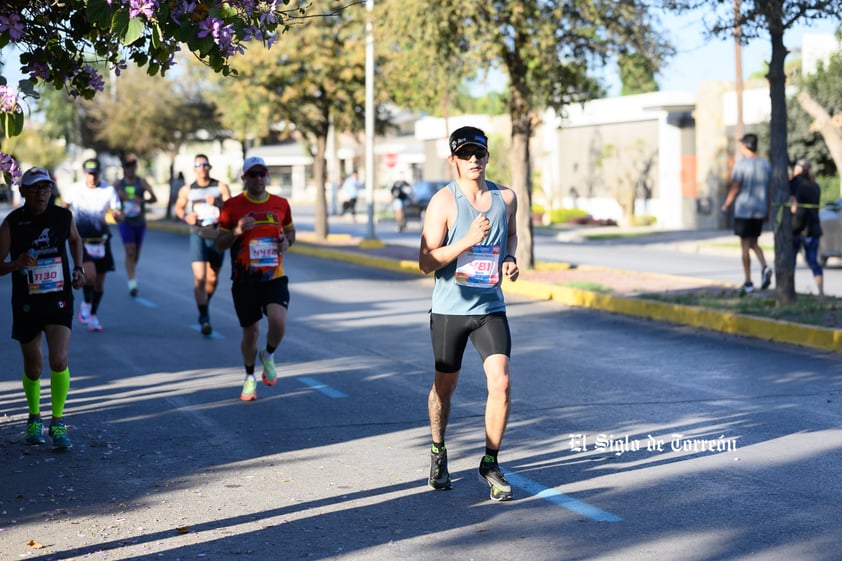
x=369 y=119
x=738 y=63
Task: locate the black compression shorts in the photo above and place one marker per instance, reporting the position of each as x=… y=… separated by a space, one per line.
x=489 y=334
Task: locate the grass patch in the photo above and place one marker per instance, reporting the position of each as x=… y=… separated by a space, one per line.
x=767 y=249
x=587 y=285
x=619 y=235
x=544 y=266
x=807 y=309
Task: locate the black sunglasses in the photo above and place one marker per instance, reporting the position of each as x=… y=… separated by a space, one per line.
x=40 y=186
x=201 y=165
x=467 y=153
x=257 y=173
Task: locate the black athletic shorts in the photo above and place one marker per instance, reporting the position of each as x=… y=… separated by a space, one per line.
x=28 y=322
x=489 y=334
x=748 y=227
x=251 y=296
x=102 y=264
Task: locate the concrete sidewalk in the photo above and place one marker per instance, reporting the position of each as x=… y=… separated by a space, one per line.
x=600 y=288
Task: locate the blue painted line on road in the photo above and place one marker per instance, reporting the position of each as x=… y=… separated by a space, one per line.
x=560 y=499
x=214 y=335
x=320 y=387
x=144 y=302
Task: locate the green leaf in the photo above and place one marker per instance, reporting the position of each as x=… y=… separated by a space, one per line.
x=12 y=123
x=27 y=87
x=156 y=35
x=134 y=32
x=204 y=46
x=99 y=13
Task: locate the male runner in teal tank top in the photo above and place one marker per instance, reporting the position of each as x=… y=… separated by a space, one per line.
x=469 y=240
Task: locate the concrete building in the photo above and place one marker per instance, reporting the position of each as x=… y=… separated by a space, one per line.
x=622 y=157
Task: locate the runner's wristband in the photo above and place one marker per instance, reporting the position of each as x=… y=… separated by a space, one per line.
x=78 y=268
x=510 y=256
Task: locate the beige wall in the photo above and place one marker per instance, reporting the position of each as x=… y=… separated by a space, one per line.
x=600 y=166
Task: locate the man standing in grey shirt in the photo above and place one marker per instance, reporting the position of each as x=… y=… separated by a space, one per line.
x=749 y=192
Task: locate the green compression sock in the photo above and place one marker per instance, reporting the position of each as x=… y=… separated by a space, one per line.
x=59 y=387
x=32 y=389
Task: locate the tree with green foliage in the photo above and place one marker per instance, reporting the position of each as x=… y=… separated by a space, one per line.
x=425 y=61
x=770 y=18
x=547 y=50
x=821 y=99
x=312 y=80
x=145 y=114
x=636 y=74
x=61 y=41
x=137 y=115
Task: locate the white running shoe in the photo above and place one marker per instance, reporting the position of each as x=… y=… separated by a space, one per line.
x=84 y=313
x=93 y=324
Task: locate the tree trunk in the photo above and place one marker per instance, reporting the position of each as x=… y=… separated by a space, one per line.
x=824 y=124
x=521 y=132
x=320 y=228
x=780 y=218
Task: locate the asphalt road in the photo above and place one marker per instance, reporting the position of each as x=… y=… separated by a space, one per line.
x=331 y=463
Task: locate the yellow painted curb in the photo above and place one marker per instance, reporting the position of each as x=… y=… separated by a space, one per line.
x=823 y=338
x=313 y=250
x=371 y=244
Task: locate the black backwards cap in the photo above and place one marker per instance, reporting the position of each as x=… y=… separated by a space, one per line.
x=464 y=136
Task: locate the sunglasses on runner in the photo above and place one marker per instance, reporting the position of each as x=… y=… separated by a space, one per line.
x=42 y=186
x=467 y=153
x=257 y=173
x=201 y=165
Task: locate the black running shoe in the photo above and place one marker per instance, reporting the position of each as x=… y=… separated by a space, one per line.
x=206 y=328
x=489 y=471
x=439 y=476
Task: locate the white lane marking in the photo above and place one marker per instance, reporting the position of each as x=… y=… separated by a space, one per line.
x=144 y=302
x=214 y=335
x=560 y=499
x=320 y=387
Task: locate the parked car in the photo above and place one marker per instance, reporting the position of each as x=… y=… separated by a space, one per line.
x=830 y=244
x=420 y=197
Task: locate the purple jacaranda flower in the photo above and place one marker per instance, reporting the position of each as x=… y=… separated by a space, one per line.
x=13 y=24
x=8 y=100
x=94 y=79
x=209 y=26
x=252 y=32
x=182 y=9
x=119 y=67
x=37 y=69
x=145 y=7
x=8 y=165
x=267 y=17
